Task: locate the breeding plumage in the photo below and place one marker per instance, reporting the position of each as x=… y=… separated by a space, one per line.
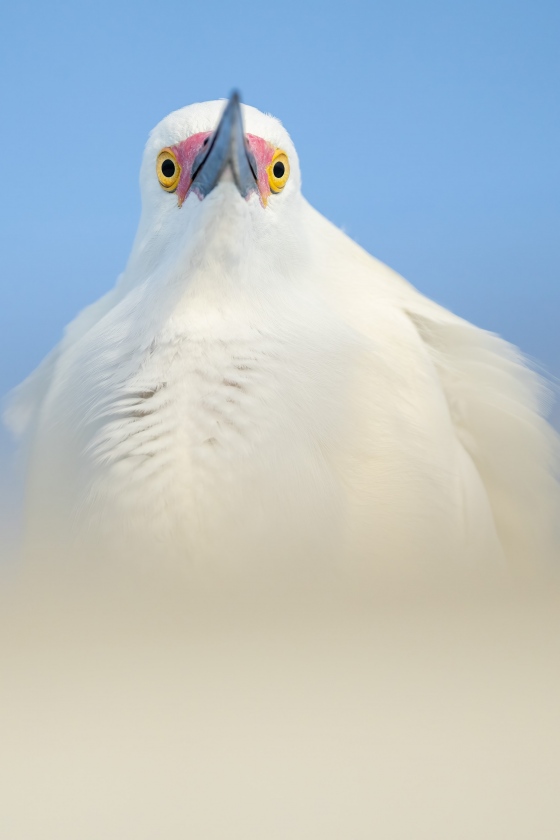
x=259 y=392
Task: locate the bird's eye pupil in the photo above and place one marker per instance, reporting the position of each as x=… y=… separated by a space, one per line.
x=168 y=168
x=279 y=169
x=206 y=141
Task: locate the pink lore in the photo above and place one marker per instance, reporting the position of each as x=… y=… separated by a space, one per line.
x=187 y=150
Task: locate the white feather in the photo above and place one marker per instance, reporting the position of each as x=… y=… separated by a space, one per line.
x=257 y=391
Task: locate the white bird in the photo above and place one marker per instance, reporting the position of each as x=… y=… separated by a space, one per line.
x=259 y=392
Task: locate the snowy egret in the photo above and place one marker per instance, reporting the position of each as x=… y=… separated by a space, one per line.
x=259 y=392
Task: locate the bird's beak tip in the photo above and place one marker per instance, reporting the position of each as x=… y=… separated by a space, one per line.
x=227 y=148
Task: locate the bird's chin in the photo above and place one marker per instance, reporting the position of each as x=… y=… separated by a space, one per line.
x=226 y=195
x=220 y=225
x=224 y=209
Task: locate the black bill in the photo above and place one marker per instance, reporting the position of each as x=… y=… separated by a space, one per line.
x=226 y=149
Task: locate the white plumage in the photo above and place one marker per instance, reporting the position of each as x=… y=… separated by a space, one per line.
x=259 y=392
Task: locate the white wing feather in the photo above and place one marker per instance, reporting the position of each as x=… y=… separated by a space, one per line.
x=497 y=405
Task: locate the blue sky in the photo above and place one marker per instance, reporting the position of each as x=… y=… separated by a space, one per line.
x=430 y=131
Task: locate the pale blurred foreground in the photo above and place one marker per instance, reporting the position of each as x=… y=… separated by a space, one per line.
x=132 y=708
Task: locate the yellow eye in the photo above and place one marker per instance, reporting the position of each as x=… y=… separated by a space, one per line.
x=278 y=171
x=168 y=170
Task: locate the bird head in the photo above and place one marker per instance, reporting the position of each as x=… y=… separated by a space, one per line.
x=217 y=177
x=198 y=163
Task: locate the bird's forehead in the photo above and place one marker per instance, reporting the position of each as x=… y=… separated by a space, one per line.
x=204 y=116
